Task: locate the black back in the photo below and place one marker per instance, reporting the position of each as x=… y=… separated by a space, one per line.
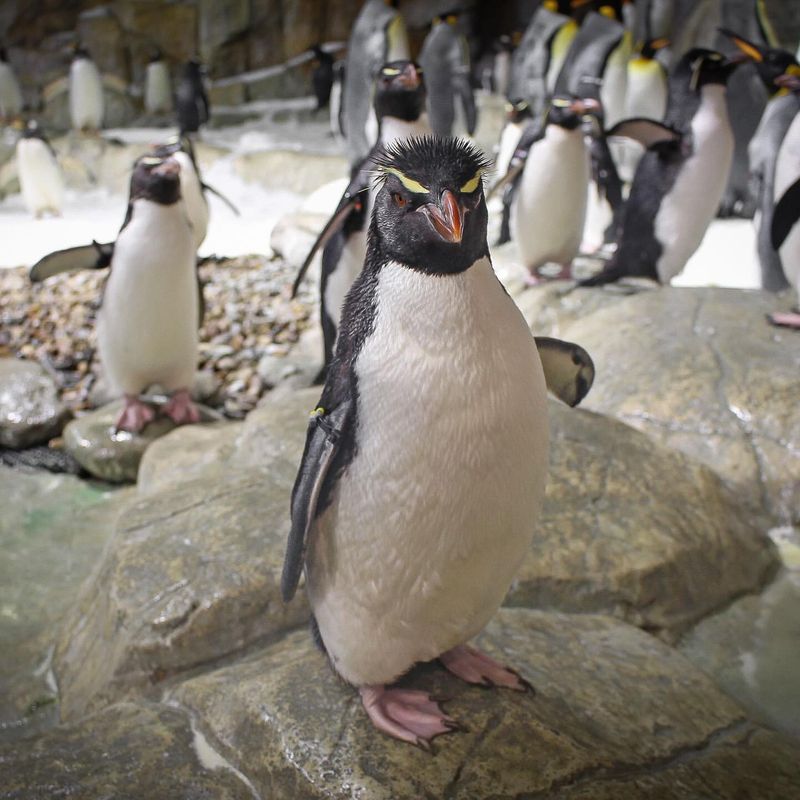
x=322 y=76
x=191 y=101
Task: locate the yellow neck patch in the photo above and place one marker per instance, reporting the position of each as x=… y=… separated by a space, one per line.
x=409 y=183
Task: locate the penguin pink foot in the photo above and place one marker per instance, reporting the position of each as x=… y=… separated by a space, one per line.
x=544 y=274
x=472 y=666
x=406 y=714
x=135 y=415
x=180 y=408
x=785 y=319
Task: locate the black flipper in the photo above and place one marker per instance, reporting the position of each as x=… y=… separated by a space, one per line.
x=613 y=271
x=322 y=443
x=86 y=256
x=568 y=369
x=647 y=132
x=222 y=197
x=785 y=215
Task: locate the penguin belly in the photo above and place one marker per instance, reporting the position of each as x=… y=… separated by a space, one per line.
x=550 y=208
x=194 y=198
x=687 y=210
x=157 y=88
x=787 y=171
x=10 y=93
x=615 y=82
x=40 y=178
x=147 y=326
x=85 y=95
x=432 y=518
x=599 y=216
x=338 y=283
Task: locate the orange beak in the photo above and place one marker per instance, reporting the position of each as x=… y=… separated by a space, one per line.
x=446 y=218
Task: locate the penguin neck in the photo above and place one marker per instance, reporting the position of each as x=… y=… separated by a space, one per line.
x=393 y=128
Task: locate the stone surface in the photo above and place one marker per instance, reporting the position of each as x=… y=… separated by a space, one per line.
x=292 y=239
x=613 y=706
x=705 y=374
x=30 y=411
x=126 y=751
x=303 y=172
x=53 y=529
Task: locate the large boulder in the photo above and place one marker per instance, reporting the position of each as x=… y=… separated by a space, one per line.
x=616 y=714
x=142 y=751
x=192 y=571
x=701 y=371
x=30 y=410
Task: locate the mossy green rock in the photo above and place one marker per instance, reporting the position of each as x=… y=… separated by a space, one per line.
x=613 y=706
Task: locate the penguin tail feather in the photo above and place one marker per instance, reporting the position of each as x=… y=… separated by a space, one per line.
x=613 y=271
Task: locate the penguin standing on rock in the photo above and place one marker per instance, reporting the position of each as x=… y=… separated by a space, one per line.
x=157 y=86
x=10 y=93
x=191 y=100
x=679 y=182
x=445 y=60
x=40 y=177
x=400 y=109
x=406 y=555
x=86 y=104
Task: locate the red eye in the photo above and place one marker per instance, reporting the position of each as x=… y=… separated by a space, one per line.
x=399 y=200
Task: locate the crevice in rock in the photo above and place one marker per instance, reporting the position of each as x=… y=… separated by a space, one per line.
x=488 y=728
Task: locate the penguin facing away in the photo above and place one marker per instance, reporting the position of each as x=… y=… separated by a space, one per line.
x=679 y=182
x=424 y=552
x=400 y=109
x=157 y=86
x=191 y=101
x=86 y=103
x=147 y=324
x=40 y=177
x=10 y=93
x=322 y=76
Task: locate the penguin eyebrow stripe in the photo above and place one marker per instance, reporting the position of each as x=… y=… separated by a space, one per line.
x=472 y=184
x=409 y=183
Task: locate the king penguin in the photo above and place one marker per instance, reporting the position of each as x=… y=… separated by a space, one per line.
x=191 y=100
x=157 y=85
x=400 y=109
x=445 y=60
x=679 y=182
x=10 y=93
x=378 y=36
x=406 y=555
x=147 y=324
x=40 y=177
x=86 y=104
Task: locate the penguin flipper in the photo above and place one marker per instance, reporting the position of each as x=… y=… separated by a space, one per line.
x=87 y=256
x=647 y=132
x=568 y=369
x=334 y=224
x=206 y=187
x=785 y=215
x=322 y=443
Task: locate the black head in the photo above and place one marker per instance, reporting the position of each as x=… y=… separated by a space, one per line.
x=3 y=54
x=156 y=55
x=649 y=48
x=430 y=211
x=399 y=91
x=518 y=110
x=156 y=178
x=558 y=6
x=33 y=131
x=79 y=51
x=703 y=67
x=193 y=69
x=568 y=111
x=771 y=62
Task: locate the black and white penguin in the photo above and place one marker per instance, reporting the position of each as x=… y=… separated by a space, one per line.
x=157 y=85
x=679 y=182
x=378 y=36
x=424 y=552
x=40 y=177
x=86 y=104
x=10 y=93
x=322 y=76
x=147 y=325
x=336 y=102
x=400 y=109
x=191 y=101
x=518 y=117
x=501 y=65
x=445 y=60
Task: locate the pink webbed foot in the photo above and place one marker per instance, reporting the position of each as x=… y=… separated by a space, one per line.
x=548 y=272
x=406 y=714
x=180 y=408
x=135 y=415
x=472 y=666
x=785 y=319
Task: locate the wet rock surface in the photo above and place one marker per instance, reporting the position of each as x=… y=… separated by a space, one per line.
x=705 y=374
x=615 y=710
x=30 y=411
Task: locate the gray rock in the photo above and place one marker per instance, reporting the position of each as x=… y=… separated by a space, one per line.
x=53 y=529
x=300 y=172
x=142 y=751
x=612 y=706
x=30 y=411
x=292 y=238
x=705 y=374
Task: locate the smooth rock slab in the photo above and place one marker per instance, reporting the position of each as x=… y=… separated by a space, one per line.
x=127 y=751
x=611 y=703
x=701 y=371
x=30 y=411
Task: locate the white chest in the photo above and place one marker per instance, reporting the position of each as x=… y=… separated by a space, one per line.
x=195 y=200
x=157 y=88
x=393 y=129
x=40 y=177
x=85 y=95
x=438 y=507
